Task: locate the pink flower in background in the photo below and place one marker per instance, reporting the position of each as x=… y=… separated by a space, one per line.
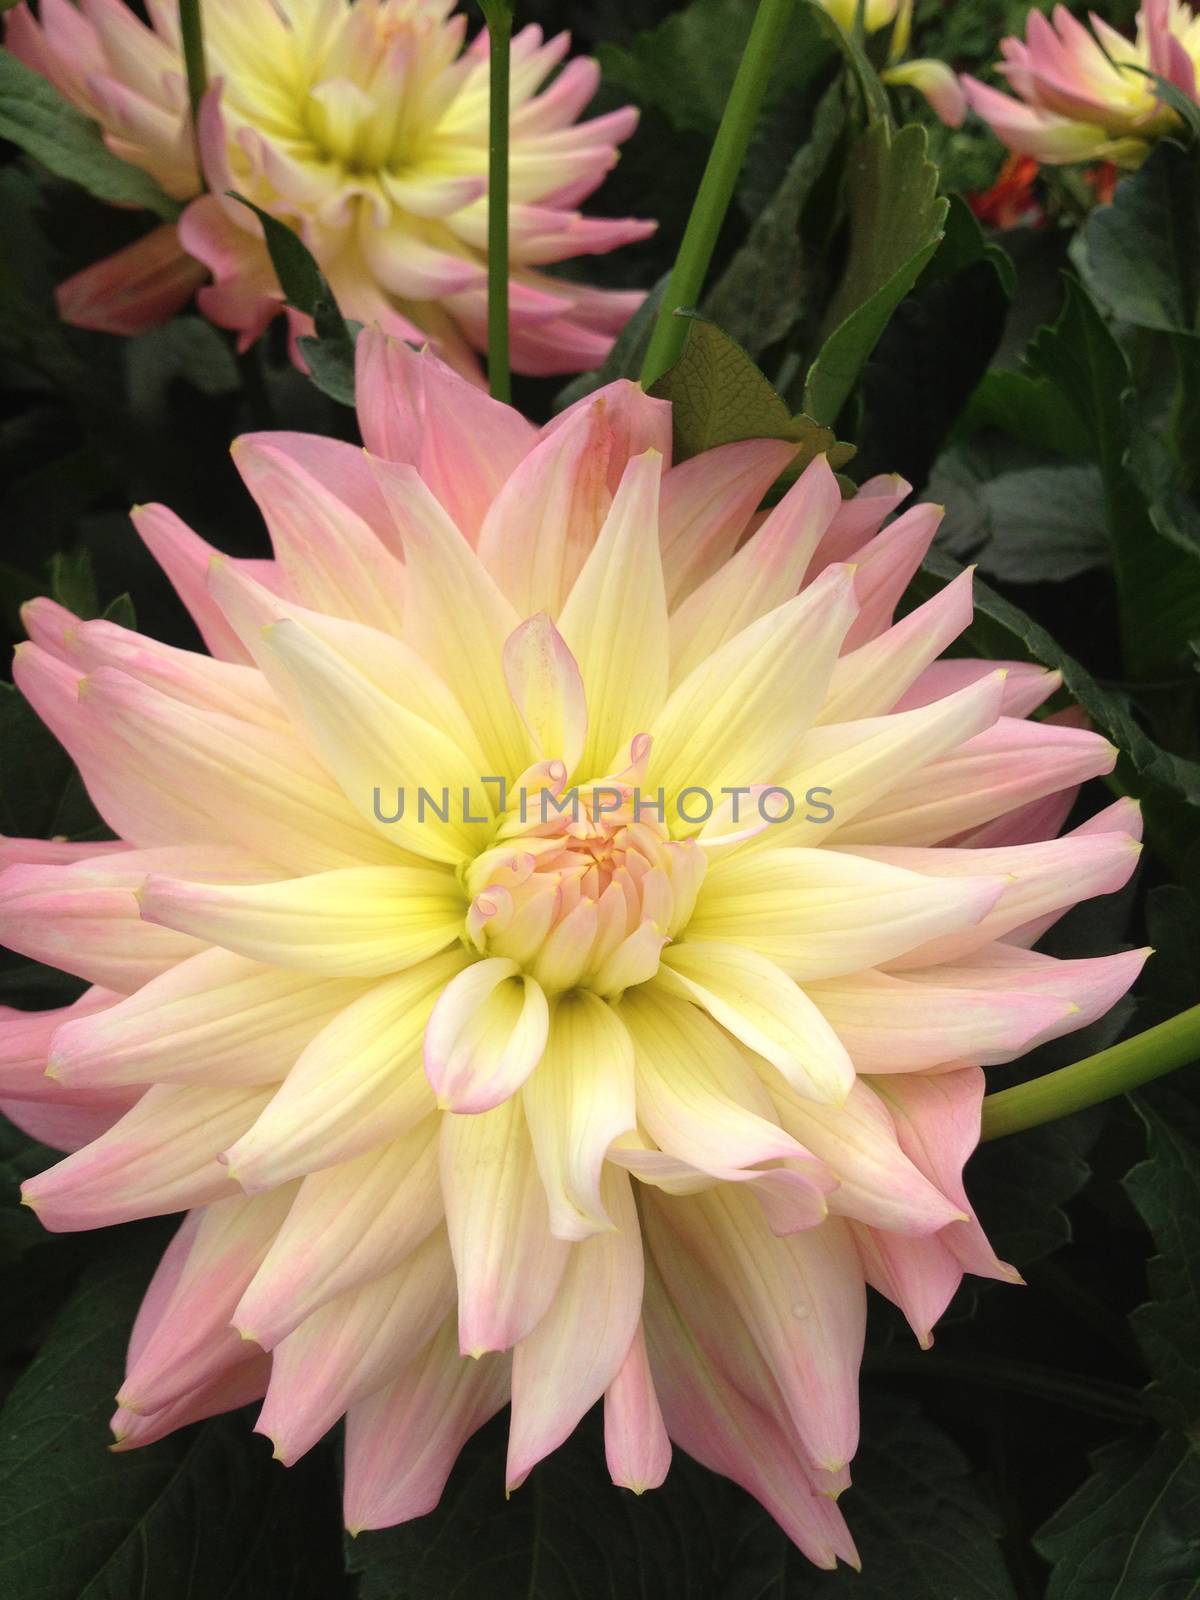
x=509 y=1104
x=363 y=126
x=1086 y=95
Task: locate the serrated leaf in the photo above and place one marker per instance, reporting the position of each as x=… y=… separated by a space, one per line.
x=719 y=396
x=1027 y=408
x=760 y=296
x=1157 y=577
x=566 y=1534
x=922 y=1531
x=203 y=1515
x=1130 y=1533
x=1166 y=1191
x=36 y=118
x=896 y=222
x=1020 y=1186
x=1031 y=524
x=1143 y=250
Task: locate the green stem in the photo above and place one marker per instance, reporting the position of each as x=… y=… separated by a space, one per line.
x=498 y=14
x=1110 y=1072
x=191 y=32
x=717 y=185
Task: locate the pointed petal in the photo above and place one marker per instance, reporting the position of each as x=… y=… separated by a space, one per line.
x=763 y=574
x=358 y=1085
x=332 y=559
x=697 y=1096
x=706 y=505
x=456 y=617
x=357 y=922
x=214 y=1018
x=619 y=596
x=741 y=715
x=509 y=1263
x=566 y=1363
x=402 y=1442
x=542 y=524
x=544 y=680
x=190 y=1341
x=353 y=1346
x=765 y=1009
x=160 y=1157
x=636 y=1448
x=578 y=1100
x=820 y=913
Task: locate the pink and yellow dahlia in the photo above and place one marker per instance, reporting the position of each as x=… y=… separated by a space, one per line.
x=363 y=125
x=550 y=949
x=1087 y=96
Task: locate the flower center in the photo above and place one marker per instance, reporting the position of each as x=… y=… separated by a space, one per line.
x=583 y=888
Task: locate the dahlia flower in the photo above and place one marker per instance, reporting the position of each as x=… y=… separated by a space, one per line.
x=362 y=124
x=551 y=947
x=1086 y=96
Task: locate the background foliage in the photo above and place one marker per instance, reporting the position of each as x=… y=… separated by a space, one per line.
x=1044 y=384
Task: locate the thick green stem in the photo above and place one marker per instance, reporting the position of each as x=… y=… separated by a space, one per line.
x=499 y=21
x=1110 y=1072
x=717 y=185
x=191 y=32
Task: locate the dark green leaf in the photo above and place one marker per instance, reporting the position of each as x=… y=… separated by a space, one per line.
x=760 y=297
x=1030 y=409
x=1038 y=524
x=203 y=1515
x=331 y=363
x=719 y=396
x=1131 y=1532
x=186 y=349
x=20 y=1158
x=1019 y=1186
x=330 y=356
x=1166 y=1190
x=300 y=278
x=1157 y=578
x=35 y=117
x=1171 y=94
x=1143 y=250
x=896 y=221
x=73 y=582
x=685 y=66
x=566 y=1534
x=933 y=352
x=922 y=1531
x=40 y=792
